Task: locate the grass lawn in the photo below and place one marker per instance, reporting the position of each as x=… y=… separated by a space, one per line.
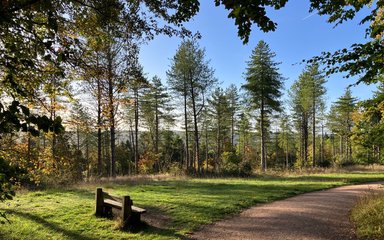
x=175 y=206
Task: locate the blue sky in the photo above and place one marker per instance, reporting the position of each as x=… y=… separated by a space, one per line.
x=299 y=35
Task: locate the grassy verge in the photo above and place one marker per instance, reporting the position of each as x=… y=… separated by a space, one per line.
x=175 y=206
x=368 y=216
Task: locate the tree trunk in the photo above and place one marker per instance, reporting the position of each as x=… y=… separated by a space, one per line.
x=111 y=109
x=218 y=146
x=53 y=116
x=196 y=130
x=305 y=139
x=99 y=135
x=78 y=142
x=322 y=144
x=314 y=133
x=341 y=147
x=333 y=146
x=156 y=126
x=263 y=160
x=276 y=148
x=206 y=145
x=136 y=105
x=232 y=130
x=287 y=153
x=186 y=128
x=244 y=142
x=87 y=155
x=132 y=133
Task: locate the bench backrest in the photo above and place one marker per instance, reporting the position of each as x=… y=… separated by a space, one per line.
x=114 y=198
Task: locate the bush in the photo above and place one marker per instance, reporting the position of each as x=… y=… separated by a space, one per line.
x=175 y=169
x=230 y=162
x=147 y=162
x=8 y=177
x=245 y=168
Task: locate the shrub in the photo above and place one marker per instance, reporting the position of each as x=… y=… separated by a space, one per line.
x=230 y=162
x=147 y=162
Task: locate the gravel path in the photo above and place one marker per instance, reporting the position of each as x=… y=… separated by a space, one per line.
x=310 y=216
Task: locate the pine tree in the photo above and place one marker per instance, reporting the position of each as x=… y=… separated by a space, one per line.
x=306 y=96
x=156 y=111
x=264 y=84
x=233 y=97
x=368 y=132
x=220 y=114
x=340 y=122
x=285 y=137
x=316 y=85
x=191 y=77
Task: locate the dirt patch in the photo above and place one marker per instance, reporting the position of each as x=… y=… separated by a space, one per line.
x=156 y=218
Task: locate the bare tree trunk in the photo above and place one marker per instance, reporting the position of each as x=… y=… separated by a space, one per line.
x=218 y=150
x=304 y=139
x=132 y=142
x=78 y=142
x=287 y=154
x=186 y=128
x=53 y=116
x=99 y=134
x=341 y=146
x=244 y=144
x=136 y=129
x=333 y=146
x=232 y=130
x=314 y=133
x=263 y=160
x=305 y=136
x=87 y=156
x=111 y=109
x=322 y=144
x=156 y=125
x=206 y=144
x=196 y=131
x=196 y=134
x=276 y=147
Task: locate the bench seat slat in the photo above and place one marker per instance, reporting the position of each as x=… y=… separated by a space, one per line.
x=113 y=203
x=119 y=205
x=114 y=198
x=138 y=210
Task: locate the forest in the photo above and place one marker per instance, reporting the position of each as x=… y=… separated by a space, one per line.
x=77 y=105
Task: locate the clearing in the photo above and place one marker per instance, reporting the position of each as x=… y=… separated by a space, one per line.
x=175 y=206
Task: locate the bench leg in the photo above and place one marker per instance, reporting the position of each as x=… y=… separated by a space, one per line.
x=133 y=220
x=126 y=210
x=107 y=212
x=99 y=202
x=136 y=218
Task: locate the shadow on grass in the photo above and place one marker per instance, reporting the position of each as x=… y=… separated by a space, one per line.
x=142 y=228
x=159 y=231
x=51 y=226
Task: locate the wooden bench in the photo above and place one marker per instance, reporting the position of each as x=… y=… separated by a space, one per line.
x=130 y=214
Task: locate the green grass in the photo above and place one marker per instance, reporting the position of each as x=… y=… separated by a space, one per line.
x=182 y=204
x=368 y=216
